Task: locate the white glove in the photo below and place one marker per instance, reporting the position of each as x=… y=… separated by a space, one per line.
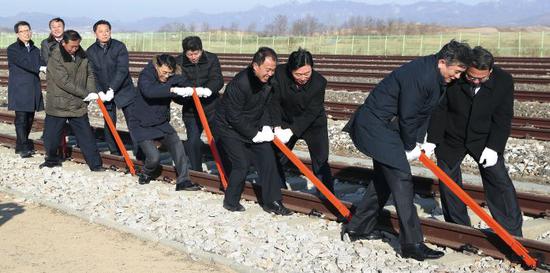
x=413 y=154
x=102 y=96
x=428 y=148
x=203 y=92
x=110 y=95
x=182 y=91
x=91 y=96
x=259 y=137
x=283 y=134
x=265 y=135
x=43 y=69
x=488 y=158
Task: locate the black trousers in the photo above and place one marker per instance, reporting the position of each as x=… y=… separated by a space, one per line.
x=152 y=157
x=53 y=126
x=389 y=180
x=193 y=144
x=111 y=143
x=237 y=156
x=316 y=139
x=499 y=193
x=23 y=125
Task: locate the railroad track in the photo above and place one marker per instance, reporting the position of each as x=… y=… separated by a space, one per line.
x=436 y=232
x=534 y=205
x=374 y=65
x=522 y=127
x=540 y=96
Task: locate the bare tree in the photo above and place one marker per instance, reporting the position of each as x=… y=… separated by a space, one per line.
x=251 y=27
x=234 y=26
x=279 y=26
x=307 y=26
x=205 y=27
x=173 y=27
x=193 y=27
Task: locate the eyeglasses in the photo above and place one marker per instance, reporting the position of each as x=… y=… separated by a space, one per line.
x=25 y=31
x=480 y=79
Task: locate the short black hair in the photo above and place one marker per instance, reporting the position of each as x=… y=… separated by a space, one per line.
x=166 y=59
x=56 y=19
x=71 y=35
x=20 y=23
x=482 y=59
x=299 y=58
x=192 y=43
x=101 y=22
x=456 y=53
x=263 y=53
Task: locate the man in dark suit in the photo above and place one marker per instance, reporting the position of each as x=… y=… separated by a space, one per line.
x=389 y=127
x=299 y=111
x=203 y=70
x=475 y=118
x=149 y=120
x=24 y=91
x=244 y=133
x=109 y=59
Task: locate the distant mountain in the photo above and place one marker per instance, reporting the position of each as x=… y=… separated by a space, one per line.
x=504 y=13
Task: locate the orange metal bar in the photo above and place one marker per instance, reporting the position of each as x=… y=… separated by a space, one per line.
x=516 y=246
x=309 y=174
x=210 y=138
x=116 y=136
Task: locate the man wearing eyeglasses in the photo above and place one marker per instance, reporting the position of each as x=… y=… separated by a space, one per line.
x=24 y=91
x=149 y=122
x=474 y=118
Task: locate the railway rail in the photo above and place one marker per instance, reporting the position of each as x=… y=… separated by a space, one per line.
x=437 y=232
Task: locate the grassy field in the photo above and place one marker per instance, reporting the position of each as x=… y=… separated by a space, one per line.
x=524 y=44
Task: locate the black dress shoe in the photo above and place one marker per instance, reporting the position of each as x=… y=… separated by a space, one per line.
x=49 y=165
x=420 y=252
x=355 y=235
x=26 y=154
x=277 y=207
x=98 y=169
x=187 y=187
x=237 y=207
x=144 y=178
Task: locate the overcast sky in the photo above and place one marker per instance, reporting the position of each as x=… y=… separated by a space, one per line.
x=127 y=10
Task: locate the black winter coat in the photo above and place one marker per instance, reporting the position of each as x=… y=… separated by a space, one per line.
x=464 y=123
x=46 y=47
x=298 y=108
x=150 y=112
x=111 y=70
x=244 y=108
x=206 y=73
x=24 y=91
x=396 y=113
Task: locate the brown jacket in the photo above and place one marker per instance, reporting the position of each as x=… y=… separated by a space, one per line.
x=68 y=83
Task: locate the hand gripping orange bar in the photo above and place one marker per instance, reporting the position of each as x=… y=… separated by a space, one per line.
x=309 y=174
x=211 y=141
x=116 y=136
x=466 y=199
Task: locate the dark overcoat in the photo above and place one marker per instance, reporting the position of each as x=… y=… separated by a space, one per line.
x=24 y=91
x=150 y=111
x=396 y=113
x=111 y=70
x=206 y=73
x=244 y=108
x=298 y=107
x=463 y=122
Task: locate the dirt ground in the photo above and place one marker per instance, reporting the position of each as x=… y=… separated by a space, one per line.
x=35 y=238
